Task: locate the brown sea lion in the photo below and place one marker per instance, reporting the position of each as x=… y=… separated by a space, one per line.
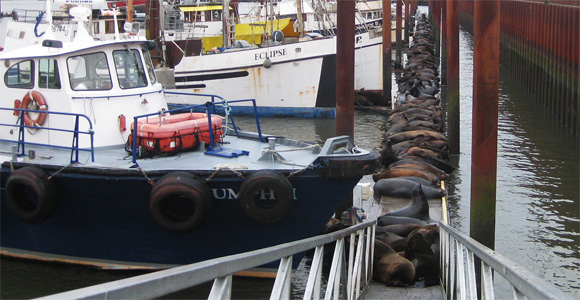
x=390 y=268
x=421 y=135
x=423 y=152
x=408 y=172
x=423 y=259
x=424 y=167
x=401 y=229
x=403 y=188
x=447 y=168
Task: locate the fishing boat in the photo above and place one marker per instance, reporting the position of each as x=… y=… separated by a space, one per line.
x=288 y=76
x=96 y=170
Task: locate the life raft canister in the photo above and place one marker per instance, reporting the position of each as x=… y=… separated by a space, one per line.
x=174 y=133
x=266 y=196
x=31 y=195
x=34 y=98
x=179 y=202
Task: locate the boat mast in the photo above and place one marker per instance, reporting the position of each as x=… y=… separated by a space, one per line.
x=225 y=25
x=299 y=18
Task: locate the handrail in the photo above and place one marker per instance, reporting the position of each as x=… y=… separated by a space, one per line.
x=458 y=268
x=210 y=107
x=220 y=270
x=75 y=139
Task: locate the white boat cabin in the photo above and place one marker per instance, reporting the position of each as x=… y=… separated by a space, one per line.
x=109 y=82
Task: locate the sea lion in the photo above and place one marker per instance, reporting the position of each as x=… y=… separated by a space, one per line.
x=386 y=220
x=447 y=168
x=390 y=268
x=418 y=208
x=421 y=135
x=387 y=154
x=425 y=167
x=402 y=188
x=423 y=259
x=401 y=229
x=385 y=236
x=400 y=172
x=418 y=180
x=420 y=151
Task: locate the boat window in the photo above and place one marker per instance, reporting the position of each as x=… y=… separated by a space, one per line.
x=20 y=75
x=150 y=68
x=129 y=69
x=89 y=72
x=48 y=75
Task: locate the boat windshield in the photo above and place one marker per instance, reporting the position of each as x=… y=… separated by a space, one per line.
x=150 y=68
x=89 y=72
x=129 y=67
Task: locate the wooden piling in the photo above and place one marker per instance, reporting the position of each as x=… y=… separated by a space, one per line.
x=345 y=68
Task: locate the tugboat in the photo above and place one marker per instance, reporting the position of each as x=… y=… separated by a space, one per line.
x=96 y=170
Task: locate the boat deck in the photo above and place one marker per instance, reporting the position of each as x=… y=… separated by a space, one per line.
x=118 y=158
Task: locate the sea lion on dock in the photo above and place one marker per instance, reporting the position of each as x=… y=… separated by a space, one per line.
x=403 y=188
x=418 y=208
x=419 y=252
x=390 y=268
x=447 y=168
x=419 y=135
x=425 y=167
x=386 y=220
x=408 y=172
x=401 y=229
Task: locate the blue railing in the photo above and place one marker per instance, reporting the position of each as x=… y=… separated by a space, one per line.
x=75 y=133
x=209 y=107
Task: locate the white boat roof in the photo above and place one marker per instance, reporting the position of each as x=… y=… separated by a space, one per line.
x=38 y=50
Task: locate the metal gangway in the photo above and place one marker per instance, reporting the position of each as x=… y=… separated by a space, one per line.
x=350 y=274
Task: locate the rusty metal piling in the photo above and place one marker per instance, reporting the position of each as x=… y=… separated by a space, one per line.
x=453 y=75
x=345 y=68
x=387 y=50
x=399 y=23
x=485 y=119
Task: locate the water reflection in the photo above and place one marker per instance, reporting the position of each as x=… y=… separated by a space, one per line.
x=538 y=206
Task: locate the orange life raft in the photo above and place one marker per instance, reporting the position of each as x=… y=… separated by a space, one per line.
x=176 y=133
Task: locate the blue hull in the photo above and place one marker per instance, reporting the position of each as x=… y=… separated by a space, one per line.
x=104 y=217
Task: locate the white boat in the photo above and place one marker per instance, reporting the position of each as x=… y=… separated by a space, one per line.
x=287 y=76
x=95 y=170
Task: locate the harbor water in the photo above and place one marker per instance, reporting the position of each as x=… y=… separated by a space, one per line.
x=538 y=195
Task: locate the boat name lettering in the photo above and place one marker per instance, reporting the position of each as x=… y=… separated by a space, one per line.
x=230 y=194
x=358 y=39
x=271 y=53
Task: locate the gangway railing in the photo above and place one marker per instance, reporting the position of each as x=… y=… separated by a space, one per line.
x=458 y=271
x=346 y=279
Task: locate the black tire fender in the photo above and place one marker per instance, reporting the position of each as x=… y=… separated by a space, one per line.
x=31 y=195
x=180 y=202
x=266 y=210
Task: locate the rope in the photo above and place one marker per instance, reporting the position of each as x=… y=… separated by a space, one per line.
x=149 y=180
x=57 y=172
x=289 y=150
